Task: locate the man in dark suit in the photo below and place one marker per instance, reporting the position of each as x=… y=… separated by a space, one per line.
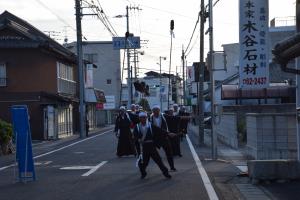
x=158 y=120
x=147 y=137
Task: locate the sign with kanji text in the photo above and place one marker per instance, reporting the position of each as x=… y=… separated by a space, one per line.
x=254 y=44
x=126 y=43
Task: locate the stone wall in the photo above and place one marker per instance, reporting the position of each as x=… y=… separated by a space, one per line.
x=271 y=136
x=227 y=130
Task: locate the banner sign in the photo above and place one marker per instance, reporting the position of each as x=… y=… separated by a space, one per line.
x=89 y=82
x=254 y=44
x=22 y=133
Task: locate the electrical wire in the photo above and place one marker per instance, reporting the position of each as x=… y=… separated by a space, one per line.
x=191 y=38
x=57 y=16
x=106 y=18
x=186 y=54
x=99 y=12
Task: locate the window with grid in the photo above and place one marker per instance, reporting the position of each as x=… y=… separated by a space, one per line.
x=2 y=74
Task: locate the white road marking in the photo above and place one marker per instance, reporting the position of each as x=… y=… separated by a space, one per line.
x=8 y=166
x=80 y=141
x=59 y=149
x=47 y=162
x=77 y=167
x=207 y=184
x=94 y=168
x=42 y=163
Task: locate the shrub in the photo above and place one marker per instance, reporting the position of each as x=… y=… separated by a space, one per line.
x=6 y=133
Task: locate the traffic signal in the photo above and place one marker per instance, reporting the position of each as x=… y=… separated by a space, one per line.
x=172 y=25
x=142 y=87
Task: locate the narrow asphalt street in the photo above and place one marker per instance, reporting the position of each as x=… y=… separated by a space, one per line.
x=89 y=169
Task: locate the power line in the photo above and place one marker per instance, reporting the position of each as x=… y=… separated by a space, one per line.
x=99 y=12
x=58 y=17
x=186 y=54
x=197 y=22
x=106 y=18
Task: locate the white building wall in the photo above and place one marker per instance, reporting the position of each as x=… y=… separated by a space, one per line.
x=107 y=76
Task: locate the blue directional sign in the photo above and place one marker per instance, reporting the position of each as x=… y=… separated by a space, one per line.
x=131 y=43
x=22 y=134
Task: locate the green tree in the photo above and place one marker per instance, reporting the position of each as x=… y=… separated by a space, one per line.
x=145 y=104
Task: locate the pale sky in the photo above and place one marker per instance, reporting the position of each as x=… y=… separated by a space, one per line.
x=151 y=23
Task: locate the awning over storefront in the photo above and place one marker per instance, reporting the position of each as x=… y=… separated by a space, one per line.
x=233 y=92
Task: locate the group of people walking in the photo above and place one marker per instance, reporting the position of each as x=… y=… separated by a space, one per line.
x=141 y=134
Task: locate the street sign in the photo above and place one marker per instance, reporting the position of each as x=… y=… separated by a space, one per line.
x=254 y=44
x=110 y=102
x=22 y=134
x=131 y=43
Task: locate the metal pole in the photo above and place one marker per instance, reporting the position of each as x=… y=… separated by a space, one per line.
x=298 y=79
x=135 y=73
x=170 y=87
x=129 y=85
x=160 y=83
x=183 y=76
x=80 y=69
x=201 y=76
x=212 y=82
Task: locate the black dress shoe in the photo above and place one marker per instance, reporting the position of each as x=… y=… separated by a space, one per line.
x=167 y=175
x=143 y=175
x=173 y=169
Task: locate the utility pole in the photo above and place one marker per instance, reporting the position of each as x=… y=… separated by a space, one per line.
x=170 y=88
x=201 y=75
x=183 y=76
x=80 y=69
x=129 y=68
x=129 y=83
x=160 y=81
x=212 y=83
x=298 y=78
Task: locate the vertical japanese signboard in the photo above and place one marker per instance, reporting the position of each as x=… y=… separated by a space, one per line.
x=254 y=48
x=22 y=134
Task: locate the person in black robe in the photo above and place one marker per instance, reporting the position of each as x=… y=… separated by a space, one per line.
x=123 y=132
x=184 y=120
x=173 y=123
x=158 y=120
x=147 y=137
x=134 y=117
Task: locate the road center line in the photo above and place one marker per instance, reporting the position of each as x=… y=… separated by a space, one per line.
x=207 y=184
x=94 y=168
x=59 y=149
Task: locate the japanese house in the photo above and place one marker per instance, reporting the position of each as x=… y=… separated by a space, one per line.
x=38 y=72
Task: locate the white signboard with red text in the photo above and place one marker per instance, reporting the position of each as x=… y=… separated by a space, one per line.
x=254 y=44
